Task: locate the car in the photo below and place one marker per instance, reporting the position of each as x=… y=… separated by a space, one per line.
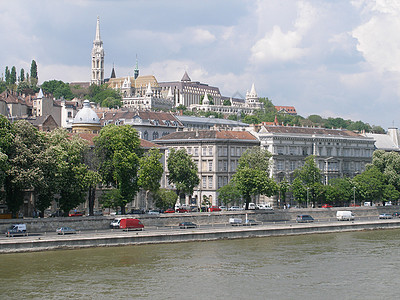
x=396 y=214
x=223 y=208
x=182 y=210
x=16 y=230
x=115 y=223
x=304 y=219
x=136 y=212
x=65 y=230
x=264 y=206
x=326 y=206
x=185 y=225
x=385 y=216
x=75 y=214
x=214 y=208
x=153 y=212
x=250 y=222
x=169 y=211
x=234 y=208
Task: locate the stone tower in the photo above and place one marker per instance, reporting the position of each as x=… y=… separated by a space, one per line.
x=97 y=58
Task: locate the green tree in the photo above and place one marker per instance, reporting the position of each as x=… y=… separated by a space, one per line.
x=390 y=194
x=117 y=152
x=340 y=191
x=182 y=172
x=227 y=102
x=370 y=184
x=34 y=73
x=388 y=163
x=58 y=89
x=13 y=75
x=282 y=189
x=111 y=102
x=150 y=172
x=7 y=75
x=22 y=75
x=165 y=199
x=252 y=174
x=310 y=176
x=112 y=199
x=229 y=194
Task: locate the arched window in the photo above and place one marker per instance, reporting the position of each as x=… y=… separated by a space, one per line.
x=155 y=135
x=146 y=135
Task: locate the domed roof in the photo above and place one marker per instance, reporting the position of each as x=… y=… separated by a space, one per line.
x=86 y=115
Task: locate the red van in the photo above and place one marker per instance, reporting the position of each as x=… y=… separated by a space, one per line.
x=131 y=224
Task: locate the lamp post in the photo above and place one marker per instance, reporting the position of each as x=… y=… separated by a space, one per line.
x=307 y=198
x=354 y=196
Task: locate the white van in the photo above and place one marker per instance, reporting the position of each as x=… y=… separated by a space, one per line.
x=235 y=221
x=344 y=215
x=16 y=229
x=115 y=223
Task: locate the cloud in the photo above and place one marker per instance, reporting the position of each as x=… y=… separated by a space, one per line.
x=200 y=36
x=279 y=46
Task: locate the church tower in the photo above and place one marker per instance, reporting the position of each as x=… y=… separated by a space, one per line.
x=97 y=58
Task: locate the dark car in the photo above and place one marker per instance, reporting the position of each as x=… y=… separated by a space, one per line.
x=185 y=225
x=304 y=219
x=396 y=214
x=182 y=210
x=136 y=212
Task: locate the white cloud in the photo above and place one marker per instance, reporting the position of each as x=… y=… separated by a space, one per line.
x=66 y=73
x=200 y=36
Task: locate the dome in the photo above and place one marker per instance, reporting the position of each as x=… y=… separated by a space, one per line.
x=86 y=115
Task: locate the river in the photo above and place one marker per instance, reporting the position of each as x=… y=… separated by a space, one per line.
x=351 y=265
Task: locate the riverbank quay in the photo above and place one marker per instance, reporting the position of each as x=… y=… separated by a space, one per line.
x=36 y=242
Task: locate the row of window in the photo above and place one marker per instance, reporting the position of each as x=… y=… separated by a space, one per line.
x=327 y=151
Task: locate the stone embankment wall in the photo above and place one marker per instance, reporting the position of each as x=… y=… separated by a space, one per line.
x=103 y=222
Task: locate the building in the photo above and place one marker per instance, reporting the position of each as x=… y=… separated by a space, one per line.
x=13 y=106
x=216 y=154
x=248 y=106
x=337 y=152
x=387 y=142
x=187 y=92
x=149 y=124
x=97 y=58
x=200 y=123
x=44 y=105
x=289 y=110
x=44 y=123
x=86 y=120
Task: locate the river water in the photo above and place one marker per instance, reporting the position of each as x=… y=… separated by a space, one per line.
x=351 y=265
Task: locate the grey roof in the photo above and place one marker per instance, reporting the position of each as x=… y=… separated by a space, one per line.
x=185 y=77
x=86 y=115
x=383 y=142
x=211 y=121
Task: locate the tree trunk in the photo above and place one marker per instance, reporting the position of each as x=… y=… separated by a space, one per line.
x=92 y=195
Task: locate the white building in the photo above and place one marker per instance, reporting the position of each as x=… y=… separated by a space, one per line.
x=97 y=58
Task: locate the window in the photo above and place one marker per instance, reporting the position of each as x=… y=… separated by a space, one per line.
x=210 y=151
x=232 y=151
x=292 y=150
x=279 y=149
x=225 y=166
x=189 y=150
x=224 y=151
x=238 y=151
x=292 y=165
x=279 y=165
x=220 y=181
x=210 y=182
x=146 y=135
x=204 y=151
x=155 y=135
x=210 y=165
x=196 y=151
x=329 y=151
x=204 y=179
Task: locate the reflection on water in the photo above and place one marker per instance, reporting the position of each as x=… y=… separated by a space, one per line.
x=320 y=266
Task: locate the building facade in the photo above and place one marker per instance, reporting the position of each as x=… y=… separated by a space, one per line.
x=338 y=153
x=216 y=154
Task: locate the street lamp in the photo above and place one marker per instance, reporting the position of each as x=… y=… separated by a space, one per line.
x=354 y=196
x=307 y=198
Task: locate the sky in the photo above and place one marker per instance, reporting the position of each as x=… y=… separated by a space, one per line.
x=334 y=58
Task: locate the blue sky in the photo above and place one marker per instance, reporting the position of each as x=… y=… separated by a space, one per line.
x=332 y=58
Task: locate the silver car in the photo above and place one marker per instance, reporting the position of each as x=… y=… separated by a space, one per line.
x=65 y=230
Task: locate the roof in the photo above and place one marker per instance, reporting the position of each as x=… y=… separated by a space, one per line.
x=309 y=131
x=141 y=81
x=154 y=118
x=289 y=109
x=186 y=77
x=208 y=135
x=147 y=144
x=89 y=137
x=383 y=142
x=199 y=120
x=86 y=115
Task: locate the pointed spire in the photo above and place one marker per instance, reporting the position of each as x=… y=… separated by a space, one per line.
x=149 y=92
x=97 y=38
x=186 y=77
x=170 y=96
x=40 y=95
x=113 y=72
x=253 y=91
x=205 y=99
x=136 y=71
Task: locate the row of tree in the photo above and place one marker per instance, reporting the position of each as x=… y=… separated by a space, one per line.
x=21 y=84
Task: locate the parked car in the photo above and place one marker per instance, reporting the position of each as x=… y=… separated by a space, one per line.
x=65 y=230
x=251 y=206
x=182 y=210
x=234 y=208
x=326 y=206
x=223 y=208
x=136 y=212
x=75 y=214
x=396 y=214
x=185 y=225
x=250 y=222
x=214 y=208
x=304 y=219
x=16 y=230
x=264 y=206
x=385 y=216
x=169 y=211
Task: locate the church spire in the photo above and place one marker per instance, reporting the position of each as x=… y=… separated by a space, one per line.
x=136 y=71
x=97 y=58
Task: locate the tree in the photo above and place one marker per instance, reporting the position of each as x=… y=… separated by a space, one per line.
x=370 y=184
x=229 y=194
x=227 y=102
x=165 y=198
x=389 y=165
x=340 y=191
x=34 y=73
x=58 y=89
x=150 y=172
x=310 y=176
x=7 y=76
x=117 y=153
x=252 y=174
x=22 y=75
x=112 y=199
x=182 y=172
x=111 y=102
x=13 y=75
x=283 y=187
x=390 y=193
